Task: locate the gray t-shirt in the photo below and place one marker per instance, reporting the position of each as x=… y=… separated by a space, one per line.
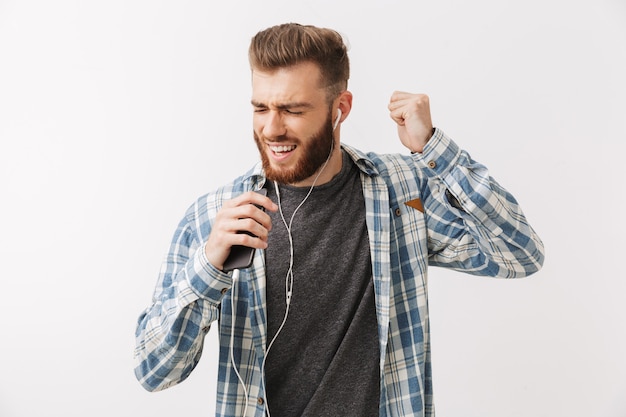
x=325 y=361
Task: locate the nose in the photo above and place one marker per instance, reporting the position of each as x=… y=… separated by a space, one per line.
x=273 y=126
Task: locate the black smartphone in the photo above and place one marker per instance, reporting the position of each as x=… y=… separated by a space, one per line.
x=241 y=256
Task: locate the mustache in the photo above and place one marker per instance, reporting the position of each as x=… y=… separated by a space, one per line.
x=277 y=139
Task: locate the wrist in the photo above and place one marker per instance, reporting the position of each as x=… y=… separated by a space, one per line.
x=421 y=149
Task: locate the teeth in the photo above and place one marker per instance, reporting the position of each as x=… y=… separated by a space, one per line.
x=280 y=149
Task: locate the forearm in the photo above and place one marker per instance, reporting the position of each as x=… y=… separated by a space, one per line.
x=487 y=232
x=170 y=333
x=168 y=344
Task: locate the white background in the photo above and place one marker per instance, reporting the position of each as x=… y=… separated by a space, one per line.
x=115 y=115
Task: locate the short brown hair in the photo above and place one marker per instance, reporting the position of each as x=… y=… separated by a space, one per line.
x=290 y=44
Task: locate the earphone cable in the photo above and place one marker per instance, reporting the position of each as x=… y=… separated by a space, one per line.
x=289 y=276
x=232 y=339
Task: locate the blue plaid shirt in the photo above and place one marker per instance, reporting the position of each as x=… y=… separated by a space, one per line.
x=411 y=224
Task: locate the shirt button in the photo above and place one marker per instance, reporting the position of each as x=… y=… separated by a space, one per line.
x=260 y=401
x=398 y=212
x=224 y=291
x=432 y=164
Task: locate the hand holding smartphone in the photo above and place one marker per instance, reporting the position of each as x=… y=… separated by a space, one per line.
x=241 y=256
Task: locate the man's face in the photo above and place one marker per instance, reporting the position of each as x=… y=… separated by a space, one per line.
x=292 y=123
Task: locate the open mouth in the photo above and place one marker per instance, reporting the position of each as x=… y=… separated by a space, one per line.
x=282 y=148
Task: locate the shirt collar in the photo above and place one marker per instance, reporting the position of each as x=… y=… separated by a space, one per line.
x=255 y=177
x=362 y=160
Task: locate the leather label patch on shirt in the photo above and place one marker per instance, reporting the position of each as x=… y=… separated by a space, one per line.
x=416 y=204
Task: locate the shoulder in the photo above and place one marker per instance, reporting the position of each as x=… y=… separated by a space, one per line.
x=206 y=206
x=388 y=166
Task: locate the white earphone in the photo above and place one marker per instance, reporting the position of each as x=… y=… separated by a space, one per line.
x=288 y=278
x=337 y=119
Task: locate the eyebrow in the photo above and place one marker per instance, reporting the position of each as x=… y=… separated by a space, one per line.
x=285 y=106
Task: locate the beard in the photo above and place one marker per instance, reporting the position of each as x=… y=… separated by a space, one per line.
x=314 y=152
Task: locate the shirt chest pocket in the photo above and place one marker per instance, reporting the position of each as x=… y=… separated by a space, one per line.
x=409 y=237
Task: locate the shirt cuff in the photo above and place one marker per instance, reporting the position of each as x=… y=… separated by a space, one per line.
x=207 y=281
x=439 y=156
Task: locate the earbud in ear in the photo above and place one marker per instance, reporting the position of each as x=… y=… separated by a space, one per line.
x=337 y=119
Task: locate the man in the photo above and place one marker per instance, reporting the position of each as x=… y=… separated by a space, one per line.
x=331 y=319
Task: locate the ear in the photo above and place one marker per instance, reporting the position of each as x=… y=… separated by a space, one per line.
x=344 y=103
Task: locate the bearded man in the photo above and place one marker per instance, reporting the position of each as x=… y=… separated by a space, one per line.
x=331 y=316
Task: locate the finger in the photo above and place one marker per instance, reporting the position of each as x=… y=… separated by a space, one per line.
x=252 y=197
x=399 y=99
x=245 y=225
x=400 y=95
x=252 y=228
x=398 y=104
x=254 y=217
x=398 y=116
